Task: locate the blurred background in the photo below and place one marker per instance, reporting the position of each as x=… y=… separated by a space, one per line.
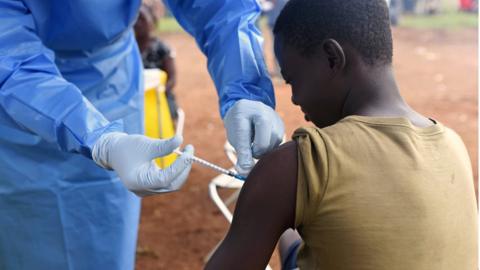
x=435 y=59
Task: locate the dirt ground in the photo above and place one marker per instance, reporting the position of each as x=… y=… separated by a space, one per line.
x=437 y=74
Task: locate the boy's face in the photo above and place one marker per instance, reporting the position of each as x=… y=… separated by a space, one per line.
x=316 y=88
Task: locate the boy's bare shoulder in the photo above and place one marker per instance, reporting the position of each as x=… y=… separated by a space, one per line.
x=264 y=210
x=274 y=179
x=278 y=162
x=286 y=150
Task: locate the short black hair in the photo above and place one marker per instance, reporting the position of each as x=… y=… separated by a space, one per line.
x=363 y=24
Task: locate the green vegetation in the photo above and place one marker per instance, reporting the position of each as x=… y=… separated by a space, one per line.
x=449 y=19
x=168 y=25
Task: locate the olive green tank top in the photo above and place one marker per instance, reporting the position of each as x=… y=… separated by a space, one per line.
x=380 y=193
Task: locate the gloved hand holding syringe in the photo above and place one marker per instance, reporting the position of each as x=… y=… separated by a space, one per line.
x=212 y=166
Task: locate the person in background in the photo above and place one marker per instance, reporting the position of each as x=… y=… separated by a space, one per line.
x=431 y=7
x=409 y=6
x=468 y=5
x=395 y=11
x=156 y=54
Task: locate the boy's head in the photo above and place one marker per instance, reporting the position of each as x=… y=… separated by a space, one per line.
x=321 y=46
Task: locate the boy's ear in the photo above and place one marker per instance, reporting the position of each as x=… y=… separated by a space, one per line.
x=335 y=54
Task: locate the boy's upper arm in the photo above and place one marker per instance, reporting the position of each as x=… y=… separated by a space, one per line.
x=264 y=210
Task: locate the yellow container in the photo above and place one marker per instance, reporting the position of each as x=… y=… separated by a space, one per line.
x=158 y=121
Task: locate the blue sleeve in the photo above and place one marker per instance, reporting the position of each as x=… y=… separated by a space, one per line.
x=33 y=92
x=226 y=33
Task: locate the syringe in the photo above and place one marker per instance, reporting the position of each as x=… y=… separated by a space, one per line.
x=213 y=166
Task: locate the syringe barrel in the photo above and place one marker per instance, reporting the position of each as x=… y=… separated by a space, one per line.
x=212 y=166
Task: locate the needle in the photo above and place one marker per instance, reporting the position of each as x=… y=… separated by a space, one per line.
x=213 y=166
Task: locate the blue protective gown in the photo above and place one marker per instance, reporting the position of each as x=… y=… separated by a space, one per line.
x=69 y=71
x=226 y=33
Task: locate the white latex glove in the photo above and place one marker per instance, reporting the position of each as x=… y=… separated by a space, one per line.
x=253 y=129
x=131 y=157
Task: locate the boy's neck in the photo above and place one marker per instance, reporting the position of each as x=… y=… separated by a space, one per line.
x=374 y=92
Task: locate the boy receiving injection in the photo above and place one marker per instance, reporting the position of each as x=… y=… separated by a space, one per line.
x=374 y=185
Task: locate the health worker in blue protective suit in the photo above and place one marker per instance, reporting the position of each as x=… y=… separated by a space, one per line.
x=71 y=107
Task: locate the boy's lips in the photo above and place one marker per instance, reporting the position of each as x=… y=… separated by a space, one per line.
x=305 y=115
